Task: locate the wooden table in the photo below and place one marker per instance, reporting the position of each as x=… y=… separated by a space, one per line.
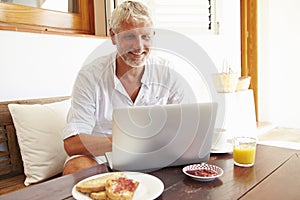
x=275 y=175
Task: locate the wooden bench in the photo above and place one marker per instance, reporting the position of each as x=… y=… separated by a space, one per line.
x=11 y=165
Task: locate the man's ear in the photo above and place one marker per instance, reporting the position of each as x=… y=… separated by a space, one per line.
x=112 y=36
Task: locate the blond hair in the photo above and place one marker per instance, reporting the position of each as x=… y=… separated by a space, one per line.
x=129 y=11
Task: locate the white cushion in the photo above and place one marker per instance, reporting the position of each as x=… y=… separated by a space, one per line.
x=39 y=131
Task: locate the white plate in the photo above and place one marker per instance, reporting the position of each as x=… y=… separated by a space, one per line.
x=203 y=166
x=227 y=149
x=150 y=187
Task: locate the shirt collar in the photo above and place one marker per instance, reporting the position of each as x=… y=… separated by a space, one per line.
x=145 y=77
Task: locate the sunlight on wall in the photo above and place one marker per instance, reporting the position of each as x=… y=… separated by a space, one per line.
x=40 y=65
x=279 y=62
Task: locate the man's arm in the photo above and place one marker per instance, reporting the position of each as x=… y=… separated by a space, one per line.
x=86 y=144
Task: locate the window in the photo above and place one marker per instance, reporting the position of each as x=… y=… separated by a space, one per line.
x=192 y=17
x=26 y=18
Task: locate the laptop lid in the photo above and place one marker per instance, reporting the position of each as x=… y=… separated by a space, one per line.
x=152 y=137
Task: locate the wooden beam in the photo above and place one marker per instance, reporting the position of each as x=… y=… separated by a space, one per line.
x=249 y=45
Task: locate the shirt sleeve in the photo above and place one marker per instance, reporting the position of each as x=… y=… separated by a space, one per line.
x=81 y=116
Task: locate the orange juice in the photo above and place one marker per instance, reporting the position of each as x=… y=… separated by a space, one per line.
x=244 y=149
x=244 y=154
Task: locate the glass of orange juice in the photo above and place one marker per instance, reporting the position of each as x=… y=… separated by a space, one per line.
x=244 y=149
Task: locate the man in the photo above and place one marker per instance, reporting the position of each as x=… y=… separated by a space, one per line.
x=129 y=77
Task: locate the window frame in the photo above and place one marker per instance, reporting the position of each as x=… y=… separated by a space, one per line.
x=16 y=17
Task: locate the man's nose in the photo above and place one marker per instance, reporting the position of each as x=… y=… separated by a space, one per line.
x=138 y=43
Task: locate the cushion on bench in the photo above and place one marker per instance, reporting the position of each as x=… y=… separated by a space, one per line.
x=39 y=132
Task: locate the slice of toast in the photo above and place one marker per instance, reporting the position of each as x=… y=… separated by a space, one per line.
x=98 y=195
x=96 y=184
x=120 y=188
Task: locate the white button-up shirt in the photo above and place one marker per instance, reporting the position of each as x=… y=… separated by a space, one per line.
x=97 y=90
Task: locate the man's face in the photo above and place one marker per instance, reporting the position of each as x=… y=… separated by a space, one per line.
x=134 y=42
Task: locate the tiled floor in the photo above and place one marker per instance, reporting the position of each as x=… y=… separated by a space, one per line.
x=282 y=137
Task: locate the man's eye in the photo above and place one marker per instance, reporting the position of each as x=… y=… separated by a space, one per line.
x=146 y=37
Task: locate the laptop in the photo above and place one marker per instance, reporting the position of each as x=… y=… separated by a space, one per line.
x=152 y=137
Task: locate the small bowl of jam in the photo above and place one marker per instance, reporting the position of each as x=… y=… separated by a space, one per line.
x=203 y=171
